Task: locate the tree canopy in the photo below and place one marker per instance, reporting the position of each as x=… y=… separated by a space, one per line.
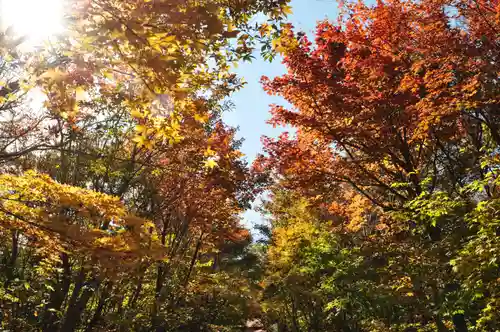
x=122 y=188
x=394 y=162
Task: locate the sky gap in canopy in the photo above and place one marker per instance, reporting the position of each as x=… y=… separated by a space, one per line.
x=251 y=109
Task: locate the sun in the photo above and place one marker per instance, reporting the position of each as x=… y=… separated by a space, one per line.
x=37 y=20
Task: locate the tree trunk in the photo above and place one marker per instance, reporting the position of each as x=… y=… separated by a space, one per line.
x=57 y=296
x=193 y=260
x=155 y=322
x=96 y=318
x=11 y=265
x=75 y=310
x=460 y=323
x=138 y=289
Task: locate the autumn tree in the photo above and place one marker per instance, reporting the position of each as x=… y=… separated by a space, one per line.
x=122 y=192
x=394 y=107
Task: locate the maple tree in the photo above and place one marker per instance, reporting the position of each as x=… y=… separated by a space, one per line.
x=394 y=108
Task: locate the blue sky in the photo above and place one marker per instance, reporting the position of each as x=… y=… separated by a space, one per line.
x=252 y=103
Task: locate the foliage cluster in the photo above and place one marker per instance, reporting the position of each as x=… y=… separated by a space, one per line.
x=384 y=201
x=121 y=195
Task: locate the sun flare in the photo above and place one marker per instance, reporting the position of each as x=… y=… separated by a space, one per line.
x=36 y=20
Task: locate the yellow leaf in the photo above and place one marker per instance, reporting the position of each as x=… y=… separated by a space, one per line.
x=238 y=154
x=230 y=27
x=210 y=163
x=201 y=118
x=265 y=30
x=141 y=129
x=287 y=10
x=141 y=140
x=107 y=74
x=80 y=94
x=169 y=39
x=54 y=74
x=209 y=152
x=116 y=34
x=168 y=58
x=137 y=114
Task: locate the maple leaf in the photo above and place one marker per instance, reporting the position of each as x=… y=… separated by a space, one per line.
x=286 y=10
x=137 y=114
x=80 y=94
x=201 y=118
x=54 y=74
x=209 y=163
